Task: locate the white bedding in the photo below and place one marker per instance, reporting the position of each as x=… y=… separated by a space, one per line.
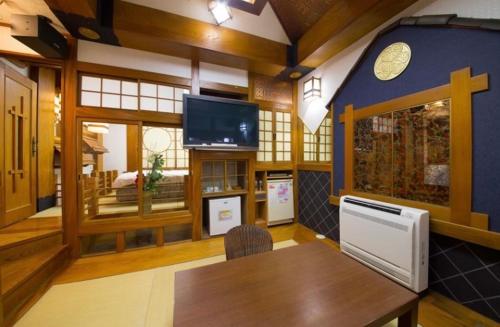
x=129 y=178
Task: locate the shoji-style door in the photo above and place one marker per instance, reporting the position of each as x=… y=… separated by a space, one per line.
x=19 y=151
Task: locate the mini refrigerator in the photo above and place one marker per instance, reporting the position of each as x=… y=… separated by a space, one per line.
x=224 y=214
x=280 y=207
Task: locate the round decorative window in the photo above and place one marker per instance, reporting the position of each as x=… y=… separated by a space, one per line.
x=392 y=61
x=156 y=139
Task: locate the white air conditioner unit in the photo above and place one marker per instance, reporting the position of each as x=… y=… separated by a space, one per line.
x=390 y=239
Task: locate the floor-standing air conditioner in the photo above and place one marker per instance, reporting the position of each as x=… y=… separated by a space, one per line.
x=391 y=239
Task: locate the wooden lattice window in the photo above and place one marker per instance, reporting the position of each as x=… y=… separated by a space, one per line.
x=317 y=147
x=265 y=152
x=168 y=142
x=105 y=92
x=283 y=136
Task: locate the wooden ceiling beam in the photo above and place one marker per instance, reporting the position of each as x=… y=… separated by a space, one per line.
x=85 y=8
x=155 y=30
x=346 y=22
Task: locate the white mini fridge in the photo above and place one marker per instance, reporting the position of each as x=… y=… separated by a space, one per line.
x=280 y=207
x=224 y=214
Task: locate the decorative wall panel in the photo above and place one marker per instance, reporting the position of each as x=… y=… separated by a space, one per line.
x=405 y=154
x=315 y=212
x=466 y=273
x=270 y=89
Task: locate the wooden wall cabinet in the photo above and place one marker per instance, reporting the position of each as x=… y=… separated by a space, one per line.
x=221 y=174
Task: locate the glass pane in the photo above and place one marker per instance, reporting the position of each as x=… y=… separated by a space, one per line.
x=148 y=104
x=129 y=88
x=90 y=83
x=108 y=186
x=165 y=92
x=111 y=85
x=129 y=102
x=373 y=156
x=91 y=99
x=179 y=93
x=140 y=238
x=422 y=153
x=405 y=154
x=178 y=107
x=110 y=100
x=165 y=166
x=101 y=243
x=148 y=89
x=165 y=105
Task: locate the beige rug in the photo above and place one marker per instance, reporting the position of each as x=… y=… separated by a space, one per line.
x=144 y=298
x=140 y=299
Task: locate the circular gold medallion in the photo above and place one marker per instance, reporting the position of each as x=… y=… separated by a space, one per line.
x=392 y=61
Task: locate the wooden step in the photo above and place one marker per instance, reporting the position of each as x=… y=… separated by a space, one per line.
x=26 y=249
x=28 y=231
x=27 y=278
x=14 y=273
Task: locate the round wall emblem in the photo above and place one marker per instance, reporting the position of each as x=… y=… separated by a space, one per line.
x=392 y=61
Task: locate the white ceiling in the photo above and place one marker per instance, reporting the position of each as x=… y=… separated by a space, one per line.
x=266 y=25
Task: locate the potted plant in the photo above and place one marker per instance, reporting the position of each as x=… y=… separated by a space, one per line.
x=152 y=179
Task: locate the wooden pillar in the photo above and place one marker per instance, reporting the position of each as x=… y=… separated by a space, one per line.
x=69 y=146
x=120 y=242
x=461 y=147
x=349 y=148
x=195 y=74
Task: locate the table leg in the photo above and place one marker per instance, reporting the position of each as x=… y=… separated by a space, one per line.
x=409 y=318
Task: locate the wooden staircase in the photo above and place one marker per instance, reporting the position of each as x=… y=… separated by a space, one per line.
x=31 y=254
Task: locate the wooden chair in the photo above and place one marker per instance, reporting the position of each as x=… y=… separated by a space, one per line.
x=246 y=240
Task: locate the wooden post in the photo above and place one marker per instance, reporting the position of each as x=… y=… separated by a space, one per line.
x=461 y=147
x=349 y=148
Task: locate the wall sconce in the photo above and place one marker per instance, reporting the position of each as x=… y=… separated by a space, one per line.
x=220 y=10
x=312 y=88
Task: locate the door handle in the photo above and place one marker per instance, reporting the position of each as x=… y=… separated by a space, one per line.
x=34 y=146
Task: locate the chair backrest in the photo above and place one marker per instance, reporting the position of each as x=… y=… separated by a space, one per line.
x=246 y=240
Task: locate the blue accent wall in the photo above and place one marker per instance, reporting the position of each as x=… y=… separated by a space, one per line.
x=315 y=210
x=436 y=52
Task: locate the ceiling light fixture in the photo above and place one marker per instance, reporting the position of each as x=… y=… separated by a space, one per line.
x=312 y=88
x=88 y=33
x=220 y=10
x=295 y=74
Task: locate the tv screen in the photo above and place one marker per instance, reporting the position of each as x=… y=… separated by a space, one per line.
x=212 y=122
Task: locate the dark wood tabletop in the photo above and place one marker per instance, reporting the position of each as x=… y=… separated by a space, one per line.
x=304 y=285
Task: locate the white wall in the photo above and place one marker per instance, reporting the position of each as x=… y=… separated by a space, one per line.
x=116 y=143
x=223 y=74
x=334 y=71
x=110 y=55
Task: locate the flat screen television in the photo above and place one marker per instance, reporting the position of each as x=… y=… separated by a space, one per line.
x=217 y=123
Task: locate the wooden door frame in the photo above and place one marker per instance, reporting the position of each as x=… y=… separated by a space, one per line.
x=2 y=133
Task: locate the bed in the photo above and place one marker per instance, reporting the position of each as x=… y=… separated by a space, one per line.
x=170 y=188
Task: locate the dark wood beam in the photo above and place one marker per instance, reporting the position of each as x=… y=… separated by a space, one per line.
x=85 y=8
x=346 y=22
x=154 y=30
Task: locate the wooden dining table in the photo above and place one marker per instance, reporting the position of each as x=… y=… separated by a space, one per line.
x=304 y=285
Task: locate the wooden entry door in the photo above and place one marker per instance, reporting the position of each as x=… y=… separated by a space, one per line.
x=18 y=173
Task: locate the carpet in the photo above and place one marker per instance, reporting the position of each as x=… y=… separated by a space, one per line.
x=139 y=299
x=144 y=298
